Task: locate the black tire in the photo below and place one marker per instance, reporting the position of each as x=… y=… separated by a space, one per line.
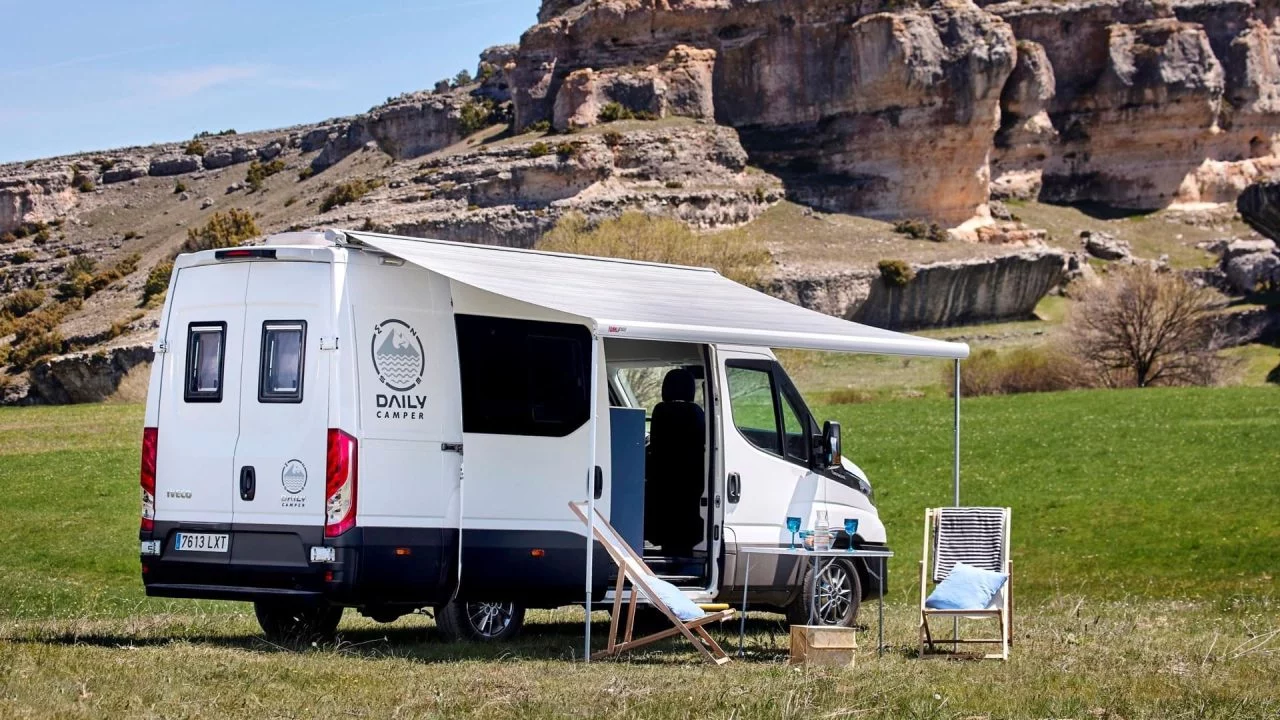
x=480 y=621
x=297 y=622
x=838 y=598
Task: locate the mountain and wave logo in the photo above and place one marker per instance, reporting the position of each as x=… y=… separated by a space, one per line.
x=398 y=357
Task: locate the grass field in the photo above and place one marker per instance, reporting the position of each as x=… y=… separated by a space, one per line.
x=1145 y=532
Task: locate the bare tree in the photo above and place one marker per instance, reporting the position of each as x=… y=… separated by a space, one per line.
x=1144 y=327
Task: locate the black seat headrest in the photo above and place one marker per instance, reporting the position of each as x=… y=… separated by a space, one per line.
x=678 y=386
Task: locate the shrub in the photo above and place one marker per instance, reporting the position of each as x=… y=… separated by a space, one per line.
x=132 y=235
x=35 y=348
x=290 y=200
x=1143 y=327
x=80 y=264
x=179 y=187
x=348 y=192
x=22 y=257
x=462 y=78
x=538 y=127
x=222 y=230
x=305 y=173
x=105 y=164
x=850 y=396
x=673 y=184
x=1022 y=370
x=206 y=133
x=82 y=182
x=23 y=302
x=195 y=147
x=539 y=149
x=566 y=150
x=476 y=116
x=614 y=111
x=259 y=172
x=41 y=234
x=612 y=138
x=8 y=238
x=737 y=255
x=157 y=281
x=921 y=230
x=896 y=273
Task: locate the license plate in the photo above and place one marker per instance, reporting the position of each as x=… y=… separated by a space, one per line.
x=200 y=542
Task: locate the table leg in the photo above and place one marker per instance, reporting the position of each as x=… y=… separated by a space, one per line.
x=742 y=623
x=880 y=603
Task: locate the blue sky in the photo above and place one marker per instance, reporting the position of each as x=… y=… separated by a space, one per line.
x=78 y=76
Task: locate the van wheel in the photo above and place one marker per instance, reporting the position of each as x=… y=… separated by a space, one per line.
x=293 y=621
x=480 y=621
x=838 y=596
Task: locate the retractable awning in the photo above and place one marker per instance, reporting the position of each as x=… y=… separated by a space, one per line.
x=650 y=301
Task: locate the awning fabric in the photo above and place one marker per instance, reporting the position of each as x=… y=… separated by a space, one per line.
x=649 y=301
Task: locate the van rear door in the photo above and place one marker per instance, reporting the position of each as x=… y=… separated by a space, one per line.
x=199 y=413
x=279 y=468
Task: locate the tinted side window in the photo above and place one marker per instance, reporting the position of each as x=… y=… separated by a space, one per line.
x=522 y=377
x=205 y=349
x=280 y=367
x=751 y=399
x=793 y=431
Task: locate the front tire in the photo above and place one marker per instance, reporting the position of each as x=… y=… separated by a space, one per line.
x=480 y=621
x=838 y=597
x=294 y=621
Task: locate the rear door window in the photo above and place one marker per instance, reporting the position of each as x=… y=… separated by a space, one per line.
x=205 y=351
x=280 y=368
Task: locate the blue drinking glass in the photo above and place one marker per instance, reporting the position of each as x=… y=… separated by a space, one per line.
x=793 y=524
x=851 y=527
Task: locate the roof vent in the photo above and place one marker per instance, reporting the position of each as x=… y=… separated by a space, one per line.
x=306 y=237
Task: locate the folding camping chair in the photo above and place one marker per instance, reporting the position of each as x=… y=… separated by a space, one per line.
x=631 y=567
x=978 y=537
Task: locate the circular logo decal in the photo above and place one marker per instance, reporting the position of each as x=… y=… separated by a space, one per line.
x=398 y=357
x=294 y=476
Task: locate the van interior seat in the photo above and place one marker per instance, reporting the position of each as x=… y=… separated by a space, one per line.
x=675 y=482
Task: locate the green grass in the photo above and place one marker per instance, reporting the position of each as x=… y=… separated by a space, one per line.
x=1144 y=539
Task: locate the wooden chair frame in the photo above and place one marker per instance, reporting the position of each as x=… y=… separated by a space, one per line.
x=1002 y=613
x=631 y=567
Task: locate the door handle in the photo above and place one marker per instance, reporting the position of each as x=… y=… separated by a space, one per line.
x=598 y=488
x=733 y=493
x=248 y=482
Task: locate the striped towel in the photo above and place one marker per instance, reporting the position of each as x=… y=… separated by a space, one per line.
x=971 y=535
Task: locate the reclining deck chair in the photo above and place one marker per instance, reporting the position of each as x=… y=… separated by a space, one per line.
x=632 y=568
x=978 y=537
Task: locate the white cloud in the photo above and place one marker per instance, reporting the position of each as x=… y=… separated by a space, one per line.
x=184 y=83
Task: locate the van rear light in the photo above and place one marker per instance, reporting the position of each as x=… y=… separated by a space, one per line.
x=147 y=478
x=341 y=476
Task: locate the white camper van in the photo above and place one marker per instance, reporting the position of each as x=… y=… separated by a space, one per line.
x=349 y=419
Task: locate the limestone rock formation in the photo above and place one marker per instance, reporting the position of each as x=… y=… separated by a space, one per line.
x=34 y=198
x=84 y=377
x=1259 y=205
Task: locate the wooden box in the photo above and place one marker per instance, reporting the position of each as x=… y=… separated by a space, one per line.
x=823 y=645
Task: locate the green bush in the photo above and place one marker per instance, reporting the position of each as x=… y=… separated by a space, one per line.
x=476 y=116
x=539 y=149
x=222 y=230
x=673 y=184
x=195 y=147
x=157 y=281
x=22 y=257
x=614 y=111
x=567 y=150
x=105 y=164
x=896 y=273
x=132 y=235
x=35 y=348
x=23 y=302
x=259 y=172
x=206 y=133
x=612 y=138
x=348 y=192
x=179 y=187
x=305 y=173
x=82 y=182
x=462 y=78
x=538 y=127
x=921 y=230
x=737 y=255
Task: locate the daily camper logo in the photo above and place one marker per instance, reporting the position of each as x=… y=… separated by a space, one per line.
x=399 y=360
x=293 y=477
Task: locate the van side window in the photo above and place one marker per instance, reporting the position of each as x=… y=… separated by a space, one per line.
x=280 y=367
x=751 y=399
x=794 y=436
x=522 y=377
x=205 y=348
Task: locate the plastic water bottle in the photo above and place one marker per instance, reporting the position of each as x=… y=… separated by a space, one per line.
x=821 y=532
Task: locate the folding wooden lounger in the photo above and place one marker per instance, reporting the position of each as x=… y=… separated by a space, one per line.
x=632 y=568
x=978 y=537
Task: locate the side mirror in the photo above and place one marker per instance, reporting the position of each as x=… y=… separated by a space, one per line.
x=831 y=443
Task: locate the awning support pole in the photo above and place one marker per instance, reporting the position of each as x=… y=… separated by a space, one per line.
x=955 y=473
x=955 y=485
x=591 y=490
